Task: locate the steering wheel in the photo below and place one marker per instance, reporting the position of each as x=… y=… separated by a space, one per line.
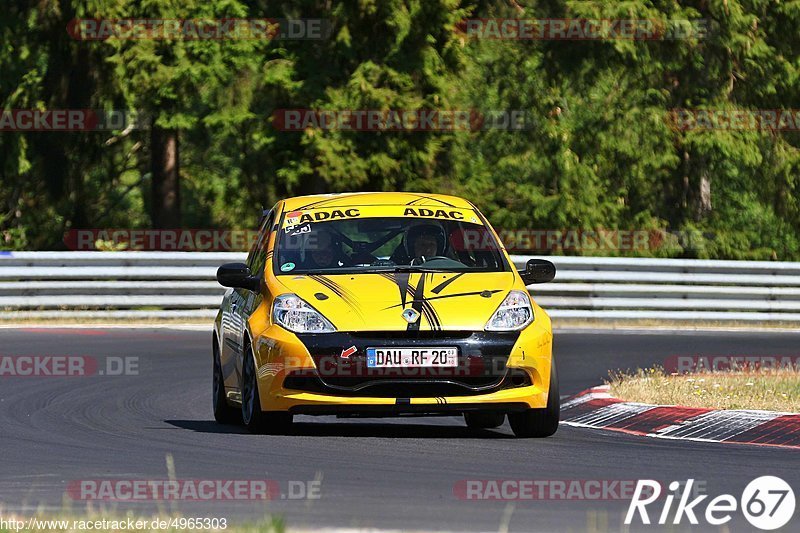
x=431 y=258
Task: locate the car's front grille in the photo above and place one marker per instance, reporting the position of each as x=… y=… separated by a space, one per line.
x=412 y=335
x=405 y=388
x=482 y=359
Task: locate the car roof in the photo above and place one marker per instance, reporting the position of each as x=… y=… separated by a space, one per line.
x=328 y=201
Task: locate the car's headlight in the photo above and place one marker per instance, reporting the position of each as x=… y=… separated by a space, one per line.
x=293 y=313
x=513 y=314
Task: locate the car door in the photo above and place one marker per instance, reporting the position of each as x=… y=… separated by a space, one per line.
x=227 y=345
x=244 y=302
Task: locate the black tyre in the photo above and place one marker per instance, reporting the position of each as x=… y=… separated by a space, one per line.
x=484 y=419
x=223 y=413
x=539 y=422
x=256 y=420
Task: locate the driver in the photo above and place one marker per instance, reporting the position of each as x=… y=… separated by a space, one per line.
x=425 y=241
x=323 y=251
x=425 y=246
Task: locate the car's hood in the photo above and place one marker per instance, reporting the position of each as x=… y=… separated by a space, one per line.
x=375 y=302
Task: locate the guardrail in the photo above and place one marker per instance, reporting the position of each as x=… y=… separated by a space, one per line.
x=160 y=285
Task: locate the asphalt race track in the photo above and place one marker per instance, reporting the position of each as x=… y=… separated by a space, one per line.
x=387 y=473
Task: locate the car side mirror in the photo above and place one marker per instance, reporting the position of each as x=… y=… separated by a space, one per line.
x=238 y=276
x=538 y=271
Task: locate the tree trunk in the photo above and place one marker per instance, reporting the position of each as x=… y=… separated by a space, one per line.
x=165 y=177
x=704 y=206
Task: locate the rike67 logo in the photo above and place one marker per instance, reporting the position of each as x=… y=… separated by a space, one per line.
x=767 y=502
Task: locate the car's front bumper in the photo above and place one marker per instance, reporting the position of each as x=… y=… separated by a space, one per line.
x=306 y=374
x=317 y=404
x=378 y=410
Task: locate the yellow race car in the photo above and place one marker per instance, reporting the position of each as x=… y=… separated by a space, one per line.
x=382 y=304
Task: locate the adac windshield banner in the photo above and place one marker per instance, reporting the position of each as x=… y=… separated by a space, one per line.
x=293 y=218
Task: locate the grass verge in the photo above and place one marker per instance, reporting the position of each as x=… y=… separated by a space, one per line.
x=768 y=390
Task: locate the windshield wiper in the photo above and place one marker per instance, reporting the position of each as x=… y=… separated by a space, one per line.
x=402 y=268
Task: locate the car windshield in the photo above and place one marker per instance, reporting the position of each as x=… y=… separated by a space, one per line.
x=387 y=244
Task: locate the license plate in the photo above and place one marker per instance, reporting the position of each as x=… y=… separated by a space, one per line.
x=411 y=357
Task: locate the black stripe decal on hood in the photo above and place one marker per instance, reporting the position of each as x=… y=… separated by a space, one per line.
x=417 y=303
x=401 y=280
x=338 y=290
x=476 y=293
x=402 y=284
x=420 y=303
x=431 y=315
x=443 y=285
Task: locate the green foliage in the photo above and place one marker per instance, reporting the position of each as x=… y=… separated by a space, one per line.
x=597 y=150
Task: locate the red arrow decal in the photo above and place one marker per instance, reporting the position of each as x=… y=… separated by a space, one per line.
x=347 y=352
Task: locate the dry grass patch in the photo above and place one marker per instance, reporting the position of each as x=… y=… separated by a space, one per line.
x=769 y=390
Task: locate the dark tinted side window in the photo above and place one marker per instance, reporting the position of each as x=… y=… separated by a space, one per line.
x=257 y=258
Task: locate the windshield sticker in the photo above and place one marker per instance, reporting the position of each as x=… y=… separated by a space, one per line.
x=436 y=213
x=293 y=218
x=306 y=228
x=287 y=267
x=318 y=216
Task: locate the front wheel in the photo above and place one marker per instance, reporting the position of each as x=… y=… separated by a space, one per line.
x=223 y=413
x=539 y=422
x=256 y=420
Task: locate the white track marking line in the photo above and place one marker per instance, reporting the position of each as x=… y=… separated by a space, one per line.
x=610 y=414
x=718 y=425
